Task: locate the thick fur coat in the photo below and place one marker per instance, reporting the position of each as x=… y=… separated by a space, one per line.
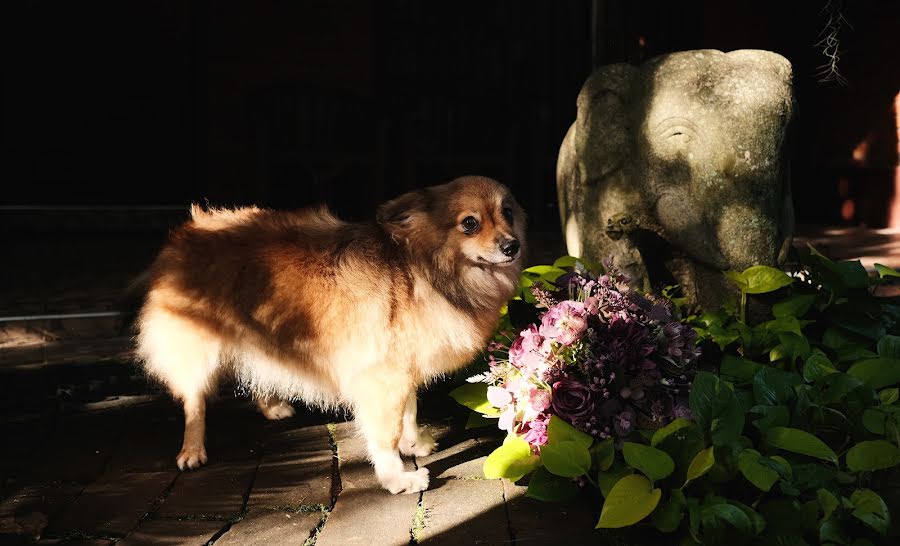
x=304 y=306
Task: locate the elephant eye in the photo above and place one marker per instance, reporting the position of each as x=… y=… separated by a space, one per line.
x=679 y=136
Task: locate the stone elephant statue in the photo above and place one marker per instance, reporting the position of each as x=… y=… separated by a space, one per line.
x=679 y=169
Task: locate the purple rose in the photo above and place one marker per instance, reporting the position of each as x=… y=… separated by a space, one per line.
x=572 y=400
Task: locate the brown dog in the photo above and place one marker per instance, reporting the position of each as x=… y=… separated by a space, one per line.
x=303 y=306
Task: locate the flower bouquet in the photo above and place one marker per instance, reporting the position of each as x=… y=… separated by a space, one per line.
x=602 y=363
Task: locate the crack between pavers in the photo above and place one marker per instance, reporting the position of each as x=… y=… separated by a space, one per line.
x=336 y=485
x=157 y=503
x=246 y=500
x=418 y=520
x=509 y=526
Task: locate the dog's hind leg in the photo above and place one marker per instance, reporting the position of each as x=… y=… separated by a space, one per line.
x=379 y=413
x=414 y=441
x=186 y=359
x=274 y=409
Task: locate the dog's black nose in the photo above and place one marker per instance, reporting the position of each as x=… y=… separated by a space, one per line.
x=510 y=247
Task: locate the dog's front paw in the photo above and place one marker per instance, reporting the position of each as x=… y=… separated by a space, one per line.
x=424 y=445
x=191 y=457
x=407 y=482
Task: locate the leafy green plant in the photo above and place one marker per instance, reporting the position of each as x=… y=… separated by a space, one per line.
x=795 y=429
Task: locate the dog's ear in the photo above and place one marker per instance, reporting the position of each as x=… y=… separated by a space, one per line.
x=400 y=216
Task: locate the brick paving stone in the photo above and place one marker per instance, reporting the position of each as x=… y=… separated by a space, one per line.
x=26 y=510
x=114 y=504
x=465 y=512
x=463 y=460
x=152 y=439
x=217 y=489
x=269 y=527
x=169 y=532
x=537 y=522
x=21 y=440
x=364 y=512
x=295 y=470
x=369 y=516
x=78 y=449
x=68 y=542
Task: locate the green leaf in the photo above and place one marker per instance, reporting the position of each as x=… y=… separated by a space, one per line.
x=828 y=502
x=512 y=460
x=715 y=408
x=759 y=475
x=757 y=522
x=544 y=486
x=870 y=509
x=889 y=347
x=831 y=532
x=561 y=431
x=857 y=321
x=817 y=365
x=572 y=261
x=852 y=273
x=663 y=433
x=603 y=453
x=477 y=420
x=738 y=278
x=872 y=455
x=795 y=306
x=546 y=273
x=885 y=271
x=772 y=416
x=791 y=346
x=569 y=459
x=877 y=372
x=607 y=479
x=630 y=500
x=799 y=441
x=682 y=445
x=474 y=397
x=761 y=279
x=772 y=387
x=889 y=396
x=739 y=369
x=668 y=515
x=565 y=261
x=789 y=325
x=701 y=464
x=873 y=421
x=654 y=463
x=836 y=387
x=727 y=513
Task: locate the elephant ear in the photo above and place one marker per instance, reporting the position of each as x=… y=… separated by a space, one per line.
x=602 y=139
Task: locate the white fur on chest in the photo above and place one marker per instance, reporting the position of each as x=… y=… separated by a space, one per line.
x=445 y=337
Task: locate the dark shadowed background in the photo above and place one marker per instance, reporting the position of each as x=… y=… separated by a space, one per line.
x=288 y=103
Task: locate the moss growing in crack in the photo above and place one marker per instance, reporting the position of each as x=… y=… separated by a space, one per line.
x=418 y=522
x=315 y=533
x=301 y=508
x=332 y=439
x=210 y=517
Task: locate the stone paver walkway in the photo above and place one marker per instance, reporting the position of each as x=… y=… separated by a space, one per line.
x=97 y=467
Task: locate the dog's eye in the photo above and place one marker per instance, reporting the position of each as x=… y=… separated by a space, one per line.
x=508 y=214
x=469 y=224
